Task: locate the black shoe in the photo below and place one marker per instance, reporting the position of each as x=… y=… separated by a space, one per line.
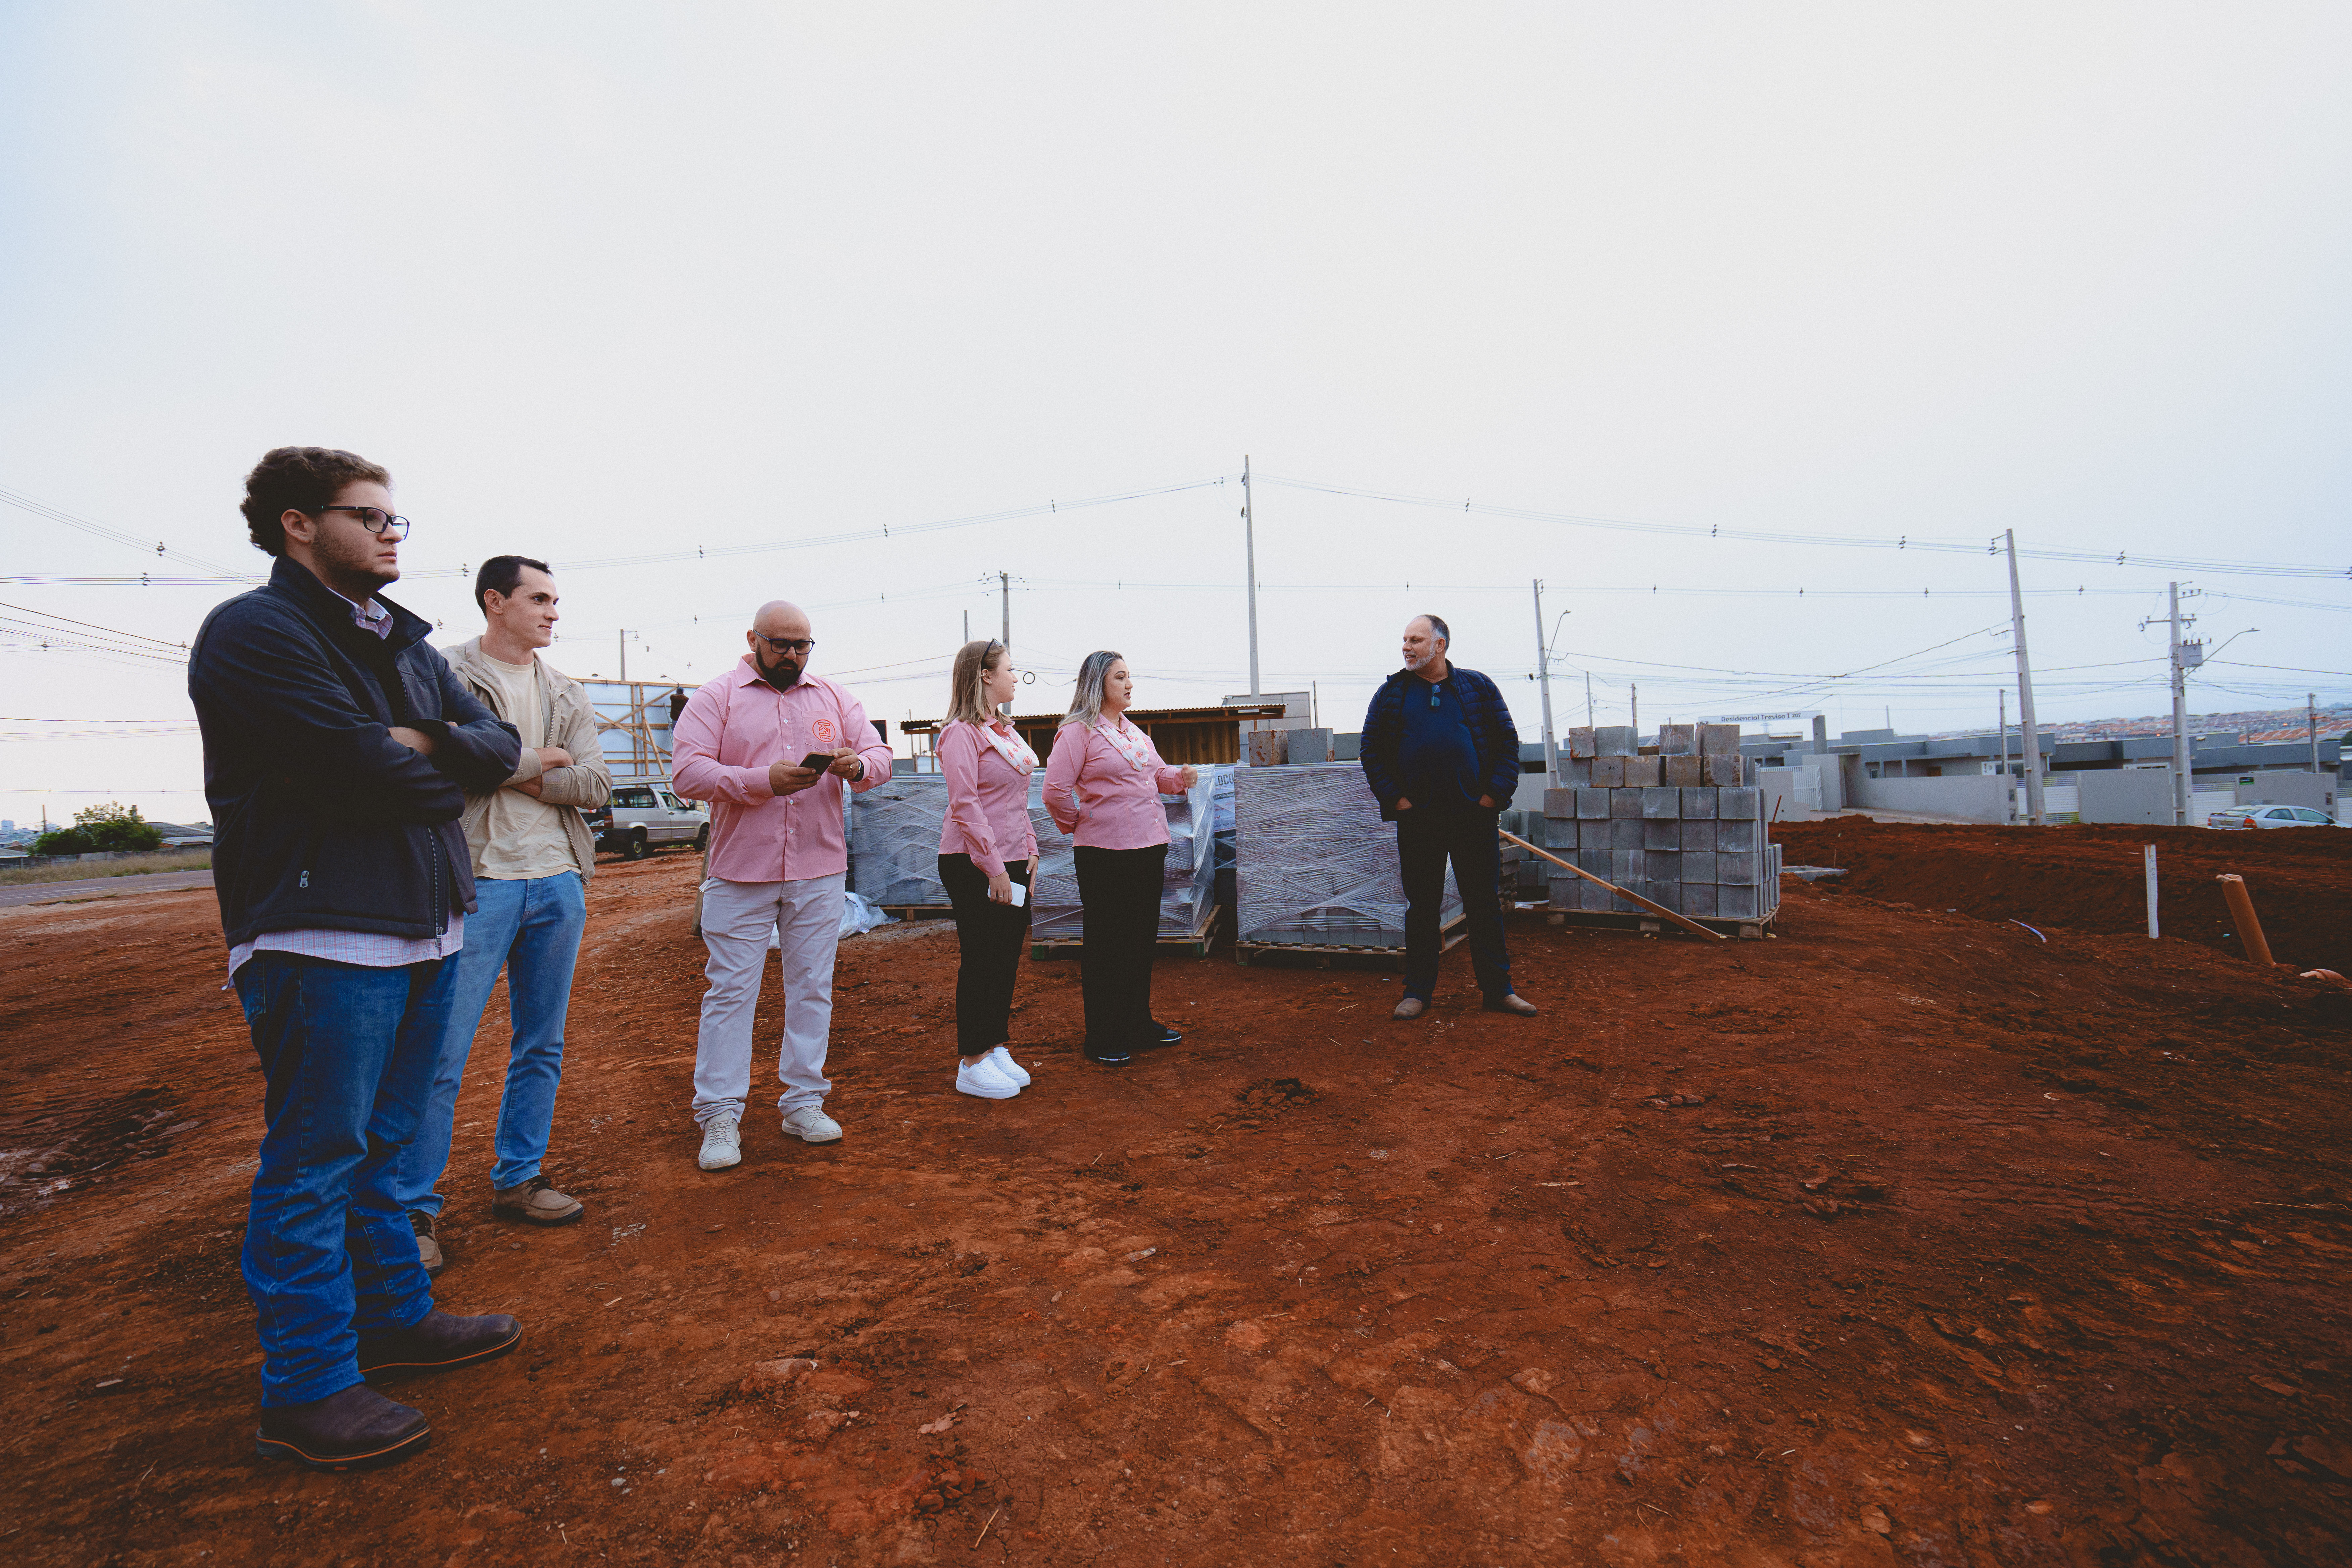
x=438 y=1342
x=343 y=1431
x=1157 y=1034
x=1110 y=1056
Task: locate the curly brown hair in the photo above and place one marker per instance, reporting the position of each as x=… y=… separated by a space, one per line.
x=299 y=479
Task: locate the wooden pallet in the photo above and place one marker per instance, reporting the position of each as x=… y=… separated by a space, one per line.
x=1196 y=944
x=1749 y=928
x=1342 y=955
x=919 y=911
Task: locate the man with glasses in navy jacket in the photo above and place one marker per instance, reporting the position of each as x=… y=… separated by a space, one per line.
x=1442 y=758
x=338 y=750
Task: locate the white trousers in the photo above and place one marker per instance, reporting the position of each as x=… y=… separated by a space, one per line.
x=737 y=919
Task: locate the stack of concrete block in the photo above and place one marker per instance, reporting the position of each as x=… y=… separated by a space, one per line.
x=1688 y=756
x=1697 y=848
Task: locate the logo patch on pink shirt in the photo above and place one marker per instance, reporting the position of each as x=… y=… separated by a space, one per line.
x=823 y=730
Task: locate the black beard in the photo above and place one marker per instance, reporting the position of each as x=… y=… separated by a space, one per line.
x=783 y=675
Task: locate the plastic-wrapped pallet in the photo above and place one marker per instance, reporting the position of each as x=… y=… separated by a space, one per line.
x=894 y=840
x=1187 y=889
x=1317 y=866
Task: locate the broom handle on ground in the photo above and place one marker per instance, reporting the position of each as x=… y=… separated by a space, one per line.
x=1636 y=898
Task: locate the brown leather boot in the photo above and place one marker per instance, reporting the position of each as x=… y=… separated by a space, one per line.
x=343 y=1431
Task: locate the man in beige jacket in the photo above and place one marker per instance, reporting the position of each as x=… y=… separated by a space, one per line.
x=532 y=858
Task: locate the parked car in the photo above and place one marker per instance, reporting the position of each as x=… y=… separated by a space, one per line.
x=644 y=815
x=2269 y=817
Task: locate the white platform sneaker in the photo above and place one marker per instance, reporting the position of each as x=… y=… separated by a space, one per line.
x=810 y=1124
x=984 y=1080
x=1008 y=1066
x=723 y=1143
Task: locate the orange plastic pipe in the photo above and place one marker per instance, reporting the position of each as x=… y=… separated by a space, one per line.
x=2241 y=909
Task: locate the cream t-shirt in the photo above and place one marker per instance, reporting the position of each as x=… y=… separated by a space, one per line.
x=527 y=837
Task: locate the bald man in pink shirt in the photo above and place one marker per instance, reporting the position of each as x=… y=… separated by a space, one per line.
x=779 y=862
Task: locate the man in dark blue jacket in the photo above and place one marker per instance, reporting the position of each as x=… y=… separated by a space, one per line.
x=1442 y=758
x=338 y=750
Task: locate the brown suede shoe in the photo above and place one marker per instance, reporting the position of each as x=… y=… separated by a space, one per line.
x=536 y=1202
x=1513 y=1003
x=428 y=1246
x=344 y=1431
x=1411 y=1007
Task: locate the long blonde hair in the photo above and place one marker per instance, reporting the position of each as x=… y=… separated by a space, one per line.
x=1086 y=703
x=966 y=699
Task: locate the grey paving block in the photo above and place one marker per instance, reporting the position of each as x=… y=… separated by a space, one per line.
x=1678 y=739
x=1574 y=772
x=1662 y=835
x=1681 y=771
x=1560 y=802
x=1608 y=772
x=1736 y=904
x=1623 y=802
x=1737 y=867
x=1670 y=894
x=1737 y=835
x=1699 y=834
x=1642 y=773
x=1699 y=865
x=1593 y=859
x=1627 y=866
x=1698 y=898
x=1715 y=739
x=1736 y=804
x=1724 y=770
x=1597 y=898
x=1591 y=803
x=1663 y=802
x=1579 y=742
x=1698 y=804
x=1625 y=833
x=1614 y=741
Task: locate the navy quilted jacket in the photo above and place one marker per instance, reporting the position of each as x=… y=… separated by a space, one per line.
x=1497 y=739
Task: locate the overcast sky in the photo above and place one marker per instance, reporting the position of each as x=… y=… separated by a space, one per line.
x=602 y=281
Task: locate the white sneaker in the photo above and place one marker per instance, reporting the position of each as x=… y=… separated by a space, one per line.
x=810 y=1124
x=1003 y=1061
x=722 y=1144
x=984 y=1079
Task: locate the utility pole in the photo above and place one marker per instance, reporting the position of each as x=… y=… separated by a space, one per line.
x=2183 y=657
x=1633 y=700
x=1543 y=683
x=967 y=627
x=2031 y=734
x=1589 y=720
x=1005 y=591
x=1249 y=551
x=2005 y=796
x=2311 y=727
x=625 y=658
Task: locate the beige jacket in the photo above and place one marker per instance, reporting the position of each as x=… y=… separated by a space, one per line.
x=571 y=724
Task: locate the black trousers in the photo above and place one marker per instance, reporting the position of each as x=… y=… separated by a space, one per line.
x=1120 y=891
x=989 y=938
x=1426 y=839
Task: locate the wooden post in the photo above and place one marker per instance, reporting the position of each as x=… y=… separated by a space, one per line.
x=1659 y=909
x=2149 y=851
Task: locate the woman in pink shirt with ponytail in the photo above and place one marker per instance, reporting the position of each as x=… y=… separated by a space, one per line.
x=987 y=849
x=1103 y=786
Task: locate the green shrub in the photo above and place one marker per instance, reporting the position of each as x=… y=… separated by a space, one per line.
x=98 y=829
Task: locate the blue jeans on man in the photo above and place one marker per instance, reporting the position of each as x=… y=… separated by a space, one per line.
x=531 y=927
x=346 y=1054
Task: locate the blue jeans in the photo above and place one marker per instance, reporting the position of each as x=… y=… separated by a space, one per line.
x=346 y=1053
x=530 y=929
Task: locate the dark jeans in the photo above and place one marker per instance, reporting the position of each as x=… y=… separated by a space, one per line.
x=989 y=938
x=1425 y=839
x=348 y=1055
x=1120 y=891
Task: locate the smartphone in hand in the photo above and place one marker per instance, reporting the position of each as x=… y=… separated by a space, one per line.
x=1020 y=895
x=817 y=761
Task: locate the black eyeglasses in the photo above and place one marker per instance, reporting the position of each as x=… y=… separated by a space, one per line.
x=787 y=644
x=375 y=520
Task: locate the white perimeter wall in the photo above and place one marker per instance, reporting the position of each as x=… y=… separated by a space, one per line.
x=1974 y=797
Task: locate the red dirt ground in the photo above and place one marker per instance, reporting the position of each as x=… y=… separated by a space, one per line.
x=1975 y=1250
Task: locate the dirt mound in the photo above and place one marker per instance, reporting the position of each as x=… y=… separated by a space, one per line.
x=2091 y=878
x=1904 y=1237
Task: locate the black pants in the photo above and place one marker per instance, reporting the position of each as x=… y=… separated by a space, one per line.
x=989 y=938
x=1425 y=840
x=1120 y=891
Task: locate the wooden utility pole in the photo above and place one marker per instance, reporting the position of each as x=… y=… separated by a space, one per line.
x=1249 y=554
x=2030 y=733
x=1543 y=684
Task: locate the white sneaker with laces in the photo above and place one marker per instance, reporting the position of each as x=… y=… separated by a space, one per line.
x=985 y=1080
x=1003 y=1061
x=723 y=1143
x=810 y=1124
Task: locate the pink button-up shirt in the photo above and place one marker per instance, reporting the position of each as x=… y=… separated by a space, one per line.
x=988 y=799
x=1101 y=799
x=733 y=727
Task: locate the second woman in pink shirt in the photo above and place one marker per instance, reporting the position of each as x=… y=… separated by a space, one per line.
x=1103 y=785
x=987 y=849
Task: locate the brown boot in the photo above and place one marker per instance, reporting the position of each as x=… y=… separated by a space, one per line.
x=537 y=1202
x=428 y=1246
